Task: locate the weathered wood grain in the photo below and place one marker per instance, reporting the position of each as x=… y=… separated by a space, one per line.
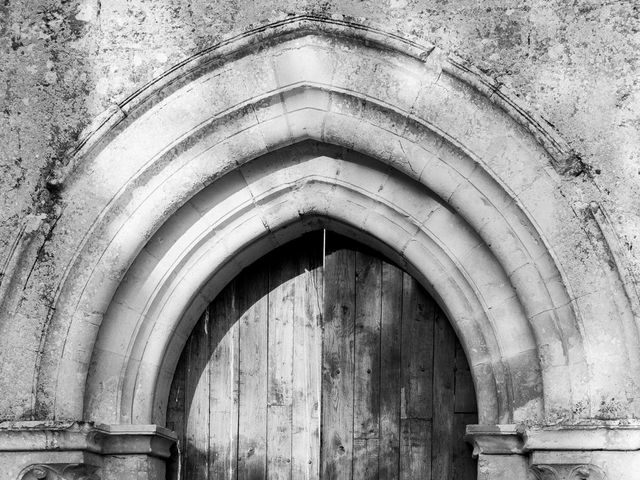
x=338 y=365
x=307 y=354
x=282 y=294
x=224 y=368
x=197 y=408
x=465 y=393
x=416 y=400
x=465 y=467
x=252 y=422
x=366 y=408
x=390 y=371
x=176 y=417
x=415 y=449
x=417 y=351
x=444 y=357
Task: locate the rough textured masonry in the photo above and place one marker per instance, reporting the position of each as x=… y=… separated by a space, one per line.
x=151 y=150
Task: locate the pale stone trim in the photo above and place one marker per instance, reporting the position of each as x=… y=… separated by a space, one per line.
x=181 y=134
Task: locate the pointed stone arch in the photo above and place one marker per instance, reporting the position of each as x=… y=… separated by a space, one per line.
x=319 y=122
x=338 y=85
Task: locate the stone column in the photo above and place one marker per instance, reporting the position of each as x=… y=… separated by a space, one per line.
x=595 y=451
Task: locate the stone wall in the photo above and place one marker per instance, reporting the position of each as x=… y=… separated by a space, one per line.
x=62 y=63
x=546 y=307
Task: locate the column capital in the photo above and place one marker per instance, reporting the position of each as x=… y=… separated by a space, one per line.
x=567 y=471
x=60 y=471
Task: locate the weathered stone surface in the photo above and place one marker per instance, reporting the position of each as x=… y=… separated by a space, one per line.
x=533 y=254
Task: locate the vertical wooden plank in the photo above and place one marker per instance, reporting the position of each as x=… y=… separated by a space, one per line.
x=465 y=467
x=307 y=351
x=282 y=294
x=279 y=442
x=366 y=407
x=197 y=399
x=390 y=372
x=255 y=408
x=417 y=350
x=444 y=357
x=223 y=375
x=252 y=422
x=365 y=458
x=337 y=364
x=416 y=387
x=415 y=448
x=465 y=394
x=176 y=415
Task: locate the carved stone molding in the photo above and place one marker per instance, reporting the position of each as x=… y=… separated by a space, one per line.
x=78 y=450
x=60 y=471
x=494 y=439
x=85 y=437
x=35 y=435
x=518 y=439
x=150 y=440
x=567 y=472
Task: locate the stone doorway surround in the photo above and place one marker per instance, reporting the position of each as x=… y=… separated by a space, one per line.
x=313 y=123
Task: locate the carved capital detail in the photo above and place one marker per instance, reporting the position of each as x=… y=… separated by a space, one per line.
x=567 y=472
x=60 y=471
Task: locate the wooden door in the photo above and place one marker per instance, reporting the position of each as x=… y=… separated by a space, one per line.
x=322 y=360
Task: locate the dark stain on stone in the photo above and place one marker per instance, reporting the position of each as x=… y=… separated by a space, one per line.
x=576 y=166
x=16 y=43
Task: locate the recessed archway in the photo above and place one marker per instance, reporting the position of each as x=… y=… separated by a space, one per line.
x=309 y=123
x=409 y=121
x=236 y=219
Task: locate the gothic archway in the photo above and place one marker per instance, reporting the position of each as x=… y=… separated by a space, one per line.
x=310 y=123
